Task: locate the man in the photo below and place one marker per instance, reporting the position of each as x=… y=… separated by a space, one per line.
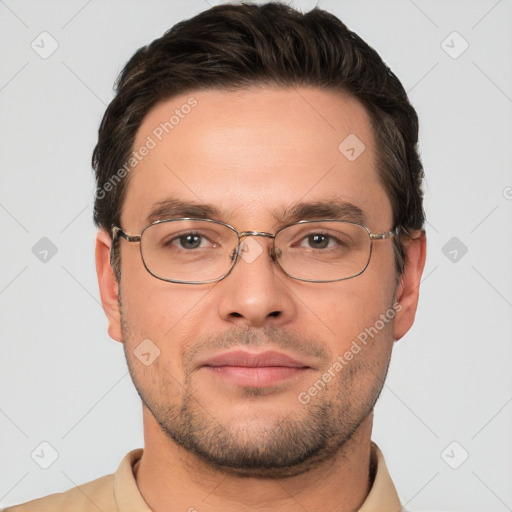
x=260 y=249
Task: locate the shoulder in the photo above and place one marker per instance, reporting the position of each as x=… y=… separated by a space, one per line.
x=103 y=494
x=91 y=496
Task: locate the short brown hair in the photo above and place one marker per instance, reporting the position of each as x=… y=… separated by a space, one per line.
x=244 y=45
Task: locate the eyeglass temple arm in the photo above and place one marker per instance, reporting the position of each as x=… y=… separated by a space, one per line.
x=118 y=232
x=385 y=234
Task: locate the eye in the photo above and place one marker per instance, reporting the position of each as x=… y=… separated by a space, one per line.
x=318 y=241
x=189 y=241
x=322 y=241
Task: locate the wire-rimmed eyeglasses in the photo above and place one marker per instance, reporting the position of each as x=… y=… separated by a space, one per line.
x=201 y=251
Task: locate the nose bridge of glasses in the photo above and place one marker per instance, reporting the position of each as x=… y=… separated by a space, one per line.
x=264 y=234
x=256 y=233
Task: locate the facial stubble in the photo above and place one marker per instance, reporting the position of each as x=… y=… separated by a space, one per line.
x=302 y=438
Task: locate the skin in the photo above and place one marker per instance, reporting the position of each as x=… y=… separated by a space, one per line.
x=251 y=152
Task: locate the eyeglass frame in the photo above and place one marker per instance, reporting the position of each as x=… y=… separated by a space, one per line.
x=117 y=233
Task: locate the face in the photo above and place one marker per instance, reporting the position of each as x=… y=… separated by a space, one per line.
x=258 y=374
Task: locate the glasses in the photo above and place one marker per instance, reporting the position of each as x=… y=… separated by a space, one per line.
x=200 y=251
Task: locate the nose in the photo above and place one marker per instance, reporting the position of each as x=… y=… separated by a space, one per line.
x=256 y=292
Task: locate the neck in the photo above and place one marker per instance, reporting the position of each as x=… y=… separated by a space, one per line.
x=170 y=478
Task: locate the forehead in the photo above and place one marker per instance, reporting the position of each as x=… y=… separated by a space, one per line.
x=255 y=155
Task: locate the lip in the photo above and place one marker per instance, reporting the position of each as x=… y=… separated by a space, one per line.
x=255 y=369
x=244 y=359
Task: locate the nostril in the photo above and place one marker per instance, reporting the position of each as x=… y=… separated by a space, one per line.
x=274 y=313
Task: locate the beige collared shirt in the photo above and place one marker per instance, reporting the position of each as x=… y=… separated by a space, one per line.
x=119 y=492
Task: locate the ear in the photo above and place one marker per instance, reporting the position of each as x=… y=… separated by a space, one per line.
x=407 y=292
x=109 y=289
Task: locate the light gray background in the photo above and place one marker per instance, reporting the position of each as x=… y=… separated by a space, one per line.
x=64 y=381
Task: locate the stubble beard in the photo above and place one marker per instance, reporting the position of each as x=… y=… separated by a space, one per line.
x=301 y=440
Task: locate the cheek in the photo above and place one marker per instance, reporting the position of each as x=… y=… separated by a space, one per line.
x=167 y=314
x=350 y=309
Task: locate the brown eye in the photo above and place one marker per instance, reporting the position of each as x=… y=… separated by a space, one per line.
x=190 y=241
x=318 y=241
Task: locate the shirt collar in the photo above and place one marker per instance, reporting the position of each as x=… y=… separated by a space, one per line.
x=383 y=496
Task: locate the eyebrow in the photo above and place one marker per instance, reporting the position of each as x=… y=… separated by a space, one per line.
x=176 y=208
x=328 y=209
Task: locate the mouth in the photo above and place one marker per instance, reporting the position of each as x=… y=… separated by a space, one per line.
x=255 y=369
